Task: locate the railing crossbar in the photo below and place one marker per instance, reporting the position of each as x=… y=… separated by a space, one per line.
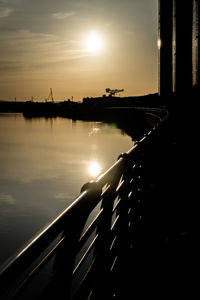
x=85 y=254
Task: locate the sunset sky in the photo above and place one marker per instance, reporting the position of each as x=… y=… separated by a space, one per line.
x=77 y=47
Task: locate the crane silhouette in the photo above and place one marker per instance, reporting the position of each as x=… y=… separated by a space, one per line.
x=113 y=92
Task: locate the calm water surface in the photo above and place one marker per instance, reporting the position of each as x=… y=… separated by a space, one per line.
x=43 y=164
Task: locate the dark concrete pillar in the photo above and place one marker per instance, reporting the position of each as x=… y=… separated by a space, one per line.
x=182 y=44
x=165 y=46
x=195 y=43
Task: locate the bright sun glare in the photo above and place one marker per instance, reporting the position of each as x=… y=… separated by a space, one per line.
x=94 y=168
x=93 y=42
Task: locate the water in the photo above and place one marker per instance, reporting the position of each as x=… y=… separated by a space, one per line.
x=43 y=165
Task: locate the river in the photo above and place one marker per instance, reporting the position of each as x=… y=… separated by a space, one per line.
x=43 y=165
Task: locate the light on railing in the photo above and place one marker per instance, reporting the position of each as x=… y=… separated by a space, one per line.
x=159 y=44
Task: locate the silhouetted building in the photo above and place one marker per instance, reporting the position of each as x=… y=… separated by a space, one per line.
x=179 y=45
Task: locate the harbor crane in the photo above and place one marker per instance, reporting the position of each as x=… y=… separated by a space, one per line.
x=113 y=92
x=50 y=97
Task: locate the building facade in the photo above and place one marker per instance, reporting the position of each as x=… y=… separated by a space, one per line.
x=178 y=45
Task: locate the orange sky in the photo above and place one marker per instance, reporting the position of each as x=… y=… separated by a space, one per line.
x=43 y=45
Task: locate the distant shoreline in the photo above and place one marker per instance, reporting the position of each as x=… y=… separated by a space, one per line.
x=123 y=112
x=57 y=107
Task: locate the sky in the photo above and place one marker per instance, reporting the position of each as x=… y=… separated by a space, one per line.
x=78 y=48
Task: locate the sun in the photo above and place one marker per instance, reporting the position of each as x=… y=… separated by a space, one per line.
x=93 y=42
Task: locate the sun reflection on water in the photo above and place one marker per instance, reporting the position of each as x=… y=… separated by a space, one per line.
x=94 y=169
x=94 y=131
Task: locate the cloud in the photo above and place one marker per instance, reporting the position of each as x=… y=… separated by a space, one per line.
x=24 y=50
x=62 y=15
x=7 y=199
x=5 y=12
x=64 y=196
x=6 y=66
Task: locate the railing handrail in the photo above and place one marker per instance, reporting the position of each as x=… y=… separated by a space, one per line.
x=18 y=264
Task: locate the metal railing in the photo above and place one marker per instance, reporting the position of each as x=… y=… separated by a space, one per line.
x=83 y=252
